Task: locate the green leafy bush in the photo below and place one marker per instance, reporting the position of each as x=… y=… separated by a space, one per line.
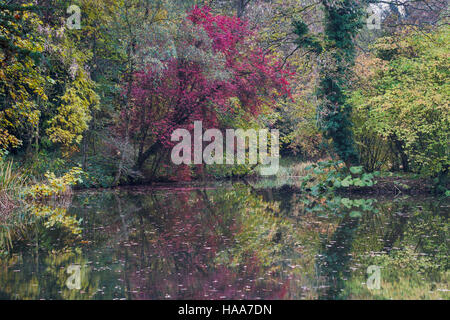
x=403 y=103
x=329 y=175
x=54 y=186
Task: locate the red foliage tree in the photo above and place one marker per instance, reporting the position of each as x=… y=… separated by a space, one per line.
x=185 y=91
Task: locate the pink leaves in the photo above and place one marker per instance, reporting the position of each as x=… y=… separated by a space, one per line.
x=185 y=91
x=226 y=32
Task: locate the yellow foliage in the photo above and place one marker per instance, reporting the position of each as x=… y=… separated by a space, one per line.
x=55 y=186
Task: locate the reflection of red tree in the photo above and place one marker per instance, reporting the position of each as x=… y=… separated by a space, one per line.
x=179 y=262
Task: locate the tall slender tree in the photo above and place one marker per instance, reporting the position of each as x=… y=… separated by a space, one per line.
x=342 y=21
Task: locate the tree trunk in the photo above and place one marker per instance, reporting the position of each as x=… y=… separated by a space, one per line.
x=240 y=7
x=146 y=154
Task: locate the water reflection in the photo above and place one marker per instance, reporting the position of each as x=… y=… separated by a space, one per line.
x=233 y=242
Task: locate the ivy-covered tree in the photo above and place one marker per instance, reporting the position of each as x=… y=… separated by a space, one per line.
x=342 y=23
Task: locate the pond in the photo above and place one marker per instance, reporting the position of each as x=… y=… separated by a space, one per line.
x=233 y=241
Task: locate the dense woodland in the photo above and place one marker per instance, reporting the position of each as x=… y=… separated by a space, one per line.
x=92 y=90
x=106 y=96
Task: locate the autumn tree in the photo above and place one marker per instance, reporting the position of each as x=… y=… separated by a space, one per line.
x=214 y=62
x=46 y=92
x=403 y=100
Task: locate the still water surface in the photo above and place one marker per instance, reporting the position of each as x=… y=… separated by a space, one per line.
x=233 y=241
